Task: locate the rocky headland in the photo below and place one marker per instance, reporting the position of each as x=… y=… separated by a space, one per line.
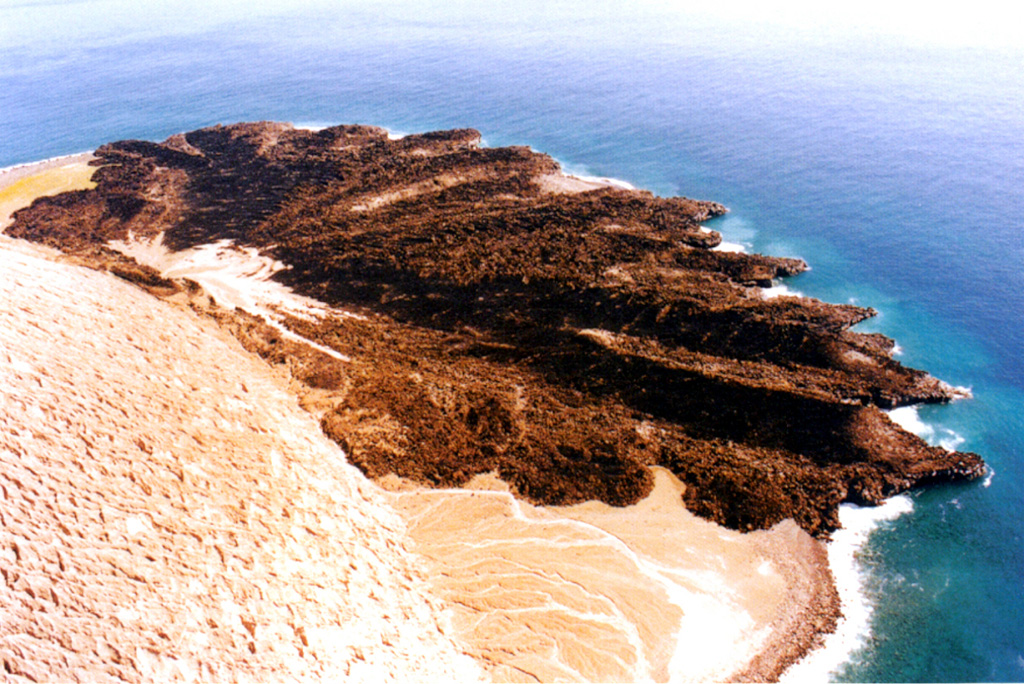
x=508 y=318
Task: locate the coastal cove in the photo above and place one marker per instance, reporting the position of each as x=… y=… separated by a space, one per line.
x=891 y=169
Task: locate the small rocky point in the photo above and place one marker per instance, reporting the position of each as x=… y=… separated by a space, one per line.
x=512 y=319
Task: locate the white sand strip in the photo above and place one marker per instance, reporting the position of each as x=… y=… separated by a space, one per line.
x=236 y=277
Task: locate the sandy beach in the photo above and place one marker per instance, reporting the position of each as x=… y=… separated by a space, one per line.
x=399 y=580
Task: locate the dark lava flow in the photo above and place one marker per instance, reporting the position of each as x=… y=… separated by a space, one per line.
x=567 y=339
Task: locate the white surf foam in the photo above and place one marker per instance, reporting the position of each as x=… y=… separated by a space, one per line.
x=729 y=247
x=990 y=473
x=963 y=392
x=844 y=552
x=908 y=418
x=952 y=441
x=737 y=233
x=779 y=290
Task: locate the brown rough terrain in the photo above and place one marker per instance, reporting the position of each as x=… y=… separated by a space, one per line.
x=566 y=337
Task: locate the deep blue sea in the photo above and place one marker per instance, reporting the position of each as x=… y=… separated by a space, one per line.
x=894 y=166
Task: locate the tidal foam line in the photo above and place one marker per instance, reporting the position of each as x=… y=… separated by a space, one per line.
x=854 y=627
x=779 y=290
x=908 y=418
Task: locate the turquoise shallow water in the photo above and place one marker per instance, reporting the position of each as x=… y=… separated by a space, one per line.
x=896 y=170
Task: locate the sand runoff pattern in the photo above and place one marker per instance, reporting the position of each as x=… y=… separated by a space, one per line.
x=591 y=592
x=169 y=512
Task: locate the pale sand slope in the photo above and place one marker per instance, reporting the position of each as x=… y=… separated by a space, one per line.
x=170 y=513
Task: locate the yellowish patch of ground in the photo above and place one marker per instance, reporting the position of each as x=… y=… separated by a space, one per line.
x=19 y=187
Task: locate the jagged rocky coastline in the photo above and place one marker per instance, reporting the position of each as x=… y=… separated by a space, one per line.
x=513 y=319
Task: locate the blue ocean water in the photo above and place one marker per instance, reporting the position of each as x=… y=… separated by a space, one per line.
x=894 y=167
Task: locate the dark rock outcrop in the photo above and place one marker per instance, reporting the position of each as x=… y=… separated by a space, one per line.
x=567 y=336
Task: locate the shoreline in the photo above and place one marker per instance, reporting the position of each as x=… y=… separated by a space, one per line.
x=15 y=172
x=854 y=628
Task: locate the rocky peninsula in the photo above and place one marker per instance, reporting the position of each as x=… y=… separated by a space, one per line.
x=517 y=353
x=512 y=319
